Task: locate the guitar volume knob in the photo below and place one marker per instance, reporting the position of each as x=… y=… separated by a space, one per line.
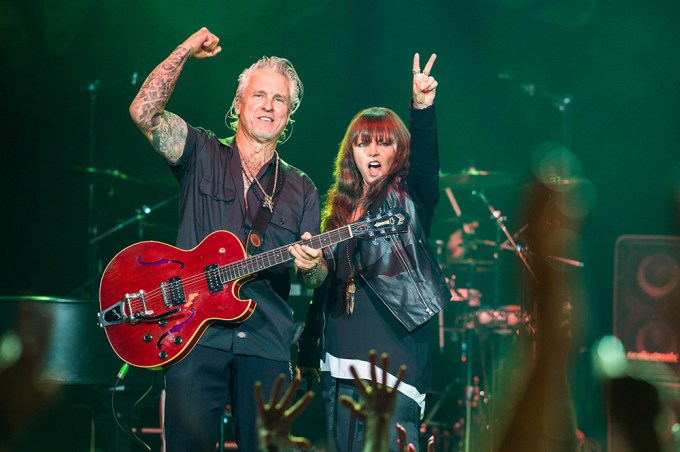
x=177 y=340
x=163 y=355
x=148 y=337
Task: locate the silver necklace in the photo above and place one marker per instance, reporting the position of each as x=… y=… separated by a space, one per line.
x=267 y=200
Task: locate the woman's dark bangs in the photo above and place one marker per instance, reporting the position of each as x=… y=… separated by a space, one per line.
x=372 y=127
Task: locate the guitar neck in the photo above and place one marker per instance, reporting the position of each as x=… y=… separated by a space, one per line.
x=262 y=261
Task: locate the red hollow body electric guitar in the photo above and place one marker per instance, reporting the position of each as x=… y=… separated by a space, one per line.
x=156 y=300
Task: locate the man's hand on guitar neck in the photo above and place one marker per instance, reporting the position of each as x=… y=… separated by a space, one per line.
x=311 y=268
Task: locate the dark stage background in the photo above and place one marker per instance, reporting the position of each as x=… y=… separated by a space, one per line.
x=618 y=60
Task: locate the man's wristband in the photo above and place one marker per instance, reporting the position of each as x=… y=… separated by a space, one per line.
x=311 y=271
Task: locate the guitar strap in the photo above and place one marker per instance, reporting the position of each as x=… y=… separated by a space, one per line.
x=263 y=215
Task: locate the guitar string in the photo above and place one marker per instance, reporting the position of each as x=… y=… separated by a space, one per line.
x=237 y=267
x=155 y=296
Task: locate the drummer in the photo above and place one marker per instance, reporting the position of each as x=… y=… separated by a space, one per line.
x=456 y=248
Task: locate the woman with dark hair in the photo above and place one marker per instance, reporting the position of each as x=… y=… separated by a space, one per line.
x=379 y=294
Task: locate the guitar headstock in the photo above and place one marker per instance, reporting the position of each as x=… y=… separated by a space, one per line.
x=393 y=221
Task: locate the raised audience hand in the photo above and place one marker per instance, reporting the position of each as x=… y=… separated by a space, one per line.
x=546 y=394
x=377 y=405
x=379 y=400
x=274 y=420
x=430 y=444
x=402 y=441
x=24 y=393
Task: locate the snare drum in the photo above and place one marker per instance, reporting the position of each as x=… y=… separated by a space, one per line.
x=472 y=297
x=503 y=320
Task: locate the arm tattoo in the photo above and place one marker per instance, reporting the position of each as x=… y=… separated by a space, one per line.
x=166 y=131
x=168 y=136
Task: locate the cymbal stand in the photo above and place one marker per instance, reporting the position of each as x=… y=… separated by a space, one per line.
x=476 y=388
x=139 y=217
x=469 y=391
x=500 y=221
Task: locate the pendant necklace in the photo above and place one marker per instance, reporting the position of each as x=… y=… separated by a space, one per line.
x=267 y=200
x=350 y=288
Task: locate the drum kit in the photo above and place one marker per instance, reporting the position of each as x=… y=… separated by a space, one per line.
x=490 y=315
x=138 y=222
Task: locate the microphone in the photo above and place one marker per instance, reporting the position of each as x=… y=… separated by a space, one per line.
x=134 y=78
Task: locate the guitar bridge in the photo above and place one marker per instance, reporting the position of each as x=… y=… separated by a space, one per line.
x=116 y=313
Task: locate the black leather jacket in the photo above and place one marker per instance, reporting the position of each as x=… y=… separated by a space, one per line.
x=402 y=269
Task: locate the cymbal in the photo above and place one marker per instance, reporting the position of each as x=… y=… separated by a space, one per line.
x=473 y=178
x=114 y=173
x=559 y=184
x=564 y=184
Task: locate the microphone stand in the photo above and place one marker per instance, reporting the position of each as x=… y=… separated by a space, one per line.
x=93 y=266
x=92 y=272
x=561 y=102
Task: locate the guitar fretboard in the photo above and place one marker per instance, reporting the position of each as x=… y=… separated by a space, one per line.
x=258 y=262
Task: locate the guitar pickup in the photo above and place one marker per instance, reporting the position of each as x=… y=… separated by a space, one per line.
x=212 y=277
x=173 y=292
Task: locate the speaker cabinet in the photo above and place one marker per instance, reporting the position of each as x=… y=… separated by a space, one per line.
x=647 y=301
x=646 y=320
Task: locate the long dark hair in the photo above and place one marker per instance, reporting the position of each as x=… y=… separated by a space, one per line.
x=345 y=195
